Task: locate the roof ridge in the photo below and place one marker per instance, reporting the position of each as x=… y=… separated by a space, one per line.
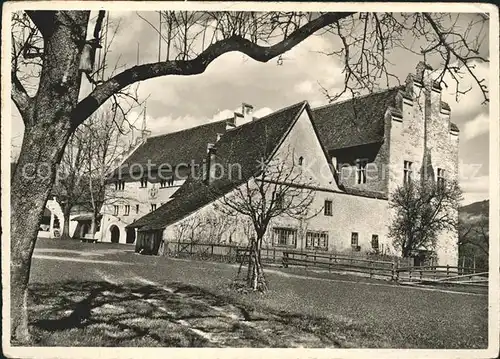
x=359 y=97
x=270 y=114
x=189 y=128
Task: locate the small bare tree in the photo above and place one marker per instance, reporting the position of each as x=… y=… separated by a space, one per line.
x=474 y=233
x=278 y=189
x=423 y=209
x=70 y=187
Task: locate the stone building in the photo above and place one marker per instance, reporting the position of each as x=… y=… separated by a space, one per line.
x=360 y=151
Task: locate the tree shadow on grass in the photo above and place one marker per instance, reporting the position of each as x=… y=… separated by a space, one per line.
x=104 y=314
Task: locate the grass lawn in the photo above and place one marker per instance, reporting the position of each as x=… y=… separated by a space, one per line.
x=112 y=297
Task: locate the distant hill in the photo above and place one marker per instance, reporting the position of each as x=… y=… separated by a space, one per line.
x=480 y=208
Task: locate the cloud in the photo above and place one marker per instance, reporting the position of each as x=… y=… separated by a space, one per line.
x=478 y=126
x=262 y=112
x=304 y=87
x=167 y=124
x=475 y=189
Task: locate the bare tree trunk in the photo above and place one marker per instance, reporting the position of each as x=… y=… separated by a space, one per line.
x=42 y=150
x=47 y=120
x=255 y=276
x=66 y=215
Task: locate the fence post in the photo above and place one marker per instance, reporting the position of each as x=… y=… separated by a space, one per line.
x=330 y=264
x=447 y=270
x=371 y=269
x=393 y=274
x=307 y=258
x=284 y=260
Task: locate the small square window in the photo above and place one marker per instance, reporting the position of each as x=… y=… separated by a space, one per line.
x=361 y=170
x=144 y=182
x=136 y=209
x=375 y=243
x=354 y=239
x=127 y=210
x=441 y=179
x=407 y=172
x=328 y=208
x=153 y=207
x=115 y=210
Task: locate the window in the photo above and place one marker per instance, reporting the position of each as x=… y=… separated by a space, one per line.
x=115 y=210
x=169 y=182
x=317 y=240
x=136 y=209
x=153 y=207
x=407 y=172
x=285 y=237
x=144 y=182
x=440 y=177
x=375 y=241
x=120 y=185
x=328 y=208
x=361 y=170
x=127 y=210
x=354 y=239
x=279 y=201
x=301 y=160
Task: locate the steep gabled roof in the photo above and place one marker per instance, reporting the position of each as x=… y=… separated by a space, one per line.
x=246 y=146
x=356 y=121
x=176 y=148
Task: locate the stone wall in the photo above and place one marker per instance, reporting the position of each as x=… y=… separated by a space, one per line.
x=424 y=123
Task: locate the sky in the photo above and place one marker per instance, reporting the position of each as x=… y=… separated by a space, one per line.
x=177 y=102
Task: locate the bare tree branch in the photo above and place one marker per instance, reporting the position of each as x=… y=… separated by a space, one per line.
x=197 y=65
x=22 y=100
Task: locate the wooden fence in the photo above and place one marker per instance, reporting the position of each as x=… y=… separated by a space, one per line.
x=397 y=269
x=335 y=262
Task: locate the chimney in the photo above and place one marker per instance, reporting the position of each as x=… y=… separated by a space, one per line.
x=423 y=72
x=209 y=171
x=247 y=111
x=234 y=122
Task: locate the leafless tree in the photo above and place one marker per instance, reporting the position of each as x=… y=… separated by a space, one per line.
x=279 y=189
x=70 y=187
x=55 y=49
x=105 y=143
x=423 y=209
x=475 y=233
x=454 y=43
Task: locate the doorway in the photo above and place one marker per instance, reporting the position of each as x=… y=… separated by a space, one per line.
x=130 y=235
x=115 y=234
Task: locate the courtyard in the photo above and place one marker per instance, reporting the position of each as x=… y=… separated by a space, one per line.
x=85 y=294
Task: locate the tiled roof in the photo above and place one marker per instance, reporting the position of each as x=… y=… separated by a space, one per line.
x=357 y=121
x=176 y=148
x=244 y=146
x=354 y=122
